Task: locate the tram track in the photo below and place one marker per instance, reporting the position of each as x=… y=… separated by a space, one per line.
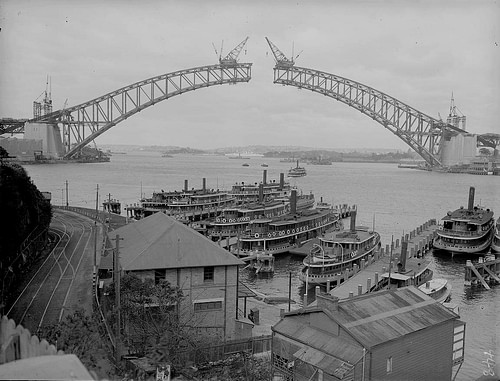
x=47 y=295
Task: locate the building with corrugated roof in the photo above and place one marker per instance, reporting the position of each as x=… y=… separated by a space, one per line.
x=399 y=334
x=159 y=247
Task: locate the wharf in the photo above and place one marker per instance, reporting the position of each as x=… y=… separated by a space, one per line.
x=369 y=276
x=482 y=272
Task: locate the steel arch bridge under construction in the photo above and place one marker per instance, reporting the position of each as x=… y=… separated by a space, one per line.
x=83 y=123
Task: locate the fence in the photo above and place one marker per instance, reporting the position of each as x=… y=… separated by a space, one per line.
x=218 y=352
x=16 y=342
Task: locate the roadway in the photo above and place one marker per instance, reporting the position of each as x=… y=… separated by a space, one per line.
x=63 y=281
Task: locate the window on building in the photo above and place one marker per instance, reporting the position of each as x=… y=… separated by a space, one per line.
x=208 y=306
x=160 y=275
x=208 y=274
x=389 y=365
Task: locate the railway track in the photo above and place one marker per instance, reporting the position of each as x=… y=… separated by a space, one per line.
x=63 y=281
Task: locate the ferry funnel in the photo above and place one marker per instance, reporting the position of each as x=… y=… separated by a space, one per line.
x=204 y=187
x=264 y=176
x=353 y=221
x=261 y=192
x=472 y=190
x=402 y=260
x=293 y=201
x=282 y=180
x=185 y=185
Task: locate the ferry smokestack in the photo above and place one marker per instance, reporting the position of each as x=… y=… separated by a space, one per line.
x=472 y=190
x=264 y=176
x=204 y=187
x=353 y=221
x=261 y=192
x=185 y=185
x=282 y=180
x=404 y=254
x=293 y=201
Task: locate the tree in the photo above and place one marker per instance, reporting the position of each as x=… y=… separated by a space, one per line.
x=150 y=319
x=3 y=155
x=77 y=334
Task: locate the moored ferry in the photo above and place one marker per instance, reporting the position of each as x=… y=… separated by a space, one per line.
x=466 y=231
x=266 y=190
x=234 y=220
x=338 y=251
x=495 y=243
x=279 y=235
x=186 y=205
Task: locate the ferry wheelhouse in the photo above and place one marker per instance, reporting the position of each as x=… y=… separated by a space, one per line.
x=187 y=205
x=338 y=251
x=279 y=235
x=466 y=231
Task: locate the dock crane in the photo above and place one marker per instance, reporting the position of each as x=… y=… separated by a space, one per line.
x=280 y=58
x=231 y=58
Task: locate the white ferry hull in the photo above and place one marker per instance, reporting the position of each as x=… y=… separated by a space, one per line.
x=464 y=247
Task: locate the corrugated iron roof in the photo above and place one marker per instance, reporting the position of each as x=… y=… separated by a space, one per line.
x=161 y=242
x=293 y=326
x=323 y=361
x=372 y=319
x=386 y=315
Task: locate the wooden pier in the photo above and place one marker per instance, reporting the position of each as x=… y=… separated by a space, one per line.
x=374 y=274
x=482 y=272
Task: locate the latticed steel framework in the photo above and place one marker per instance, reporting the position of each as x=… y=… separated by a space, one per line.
x=85 y=122
x=420 y=131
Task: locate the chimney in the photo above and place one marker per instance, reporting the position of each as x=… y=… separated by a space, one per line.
x=204 y=187
x=327 y=301
x=471 y=198
x=261 y=192
x=185 y=185
x=353 y=221
x=264 y=176
x=293 y=202
x=282 y=180
x=404 y=254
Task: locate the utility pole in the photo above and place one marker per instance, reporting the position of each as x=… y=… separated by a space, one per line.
x=95 y=227
x=67 y=203
x=117 y=276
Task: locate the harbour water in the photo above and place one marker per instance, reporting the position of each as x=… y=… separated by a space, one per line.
x=392 y=199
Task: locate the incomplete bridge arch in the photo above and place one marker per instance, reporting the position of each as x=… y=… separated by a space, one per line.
x=421 y=132
x=85 y=122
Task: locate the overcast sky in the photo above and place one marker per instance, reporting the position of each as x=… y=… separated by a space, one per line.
x=416 y=51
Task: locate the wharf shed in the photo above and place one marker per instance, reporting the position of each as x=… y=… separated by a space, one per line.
x=160 y=248
x=399 y=334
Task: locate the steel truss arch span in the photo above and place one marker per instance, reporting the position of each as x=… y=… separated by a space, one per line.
x=421 y=132
x=85 y=122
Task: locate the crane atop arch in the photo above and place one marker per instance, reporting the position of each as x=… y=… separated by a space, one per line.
x=82 y=123
x=423 y=133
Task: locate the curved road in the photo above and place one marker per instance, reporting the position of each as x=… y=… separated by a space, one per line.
x=63 y=282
